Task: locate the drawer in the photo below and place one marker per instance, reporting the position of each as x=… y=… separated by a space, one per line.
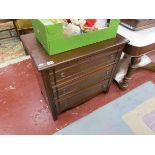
x=83 y=82
x=85 y=65
x=82 y=96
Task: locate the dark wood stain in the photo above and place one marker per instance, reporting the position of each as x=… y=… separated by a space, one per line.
x=77 y=75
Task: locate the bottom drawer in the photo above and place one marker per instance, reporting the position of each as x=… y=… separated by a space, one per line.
x=82 y=96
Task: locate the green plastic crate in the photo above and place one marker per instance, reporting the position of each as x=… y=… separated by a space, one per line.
x=51 y=36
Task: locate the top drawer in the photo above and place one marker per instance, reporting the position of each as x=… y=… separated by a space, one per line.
x=71 y=70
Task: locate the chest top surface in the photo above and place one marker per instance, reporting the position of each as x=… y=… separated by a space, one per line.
x=43 y=61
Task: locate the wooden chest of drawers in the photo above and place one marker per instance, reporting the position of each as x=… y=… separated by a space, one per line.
x=71 y=78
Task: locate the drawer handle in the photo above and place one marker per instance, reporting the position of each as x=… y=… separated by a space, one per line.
x=65 y=105
x=64 y=91
x=112 y=56
x=104 y=86
x=107 y=72
x=62 y=75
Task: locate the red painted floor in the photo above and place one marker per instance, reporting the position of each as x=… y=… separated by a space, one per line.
x=24 y=111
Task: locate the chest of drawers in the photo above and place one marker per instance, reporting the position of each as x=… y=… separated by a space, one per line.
x=71 y=78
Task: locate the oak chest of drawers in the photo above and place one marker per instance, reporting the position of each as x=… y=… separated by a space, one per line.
x=71 y=78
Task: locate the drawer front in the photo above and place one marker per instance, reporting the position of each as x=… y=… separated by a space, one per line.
x=85 y=65
x=82 y=96
x=84 y=81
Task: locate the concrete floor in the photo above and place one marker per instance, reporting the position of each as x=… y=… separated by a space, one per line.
x=23 y=109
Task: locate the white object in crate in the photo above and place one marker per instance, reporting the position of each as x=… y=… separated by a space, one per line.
x=101 y=23
x=71 y=29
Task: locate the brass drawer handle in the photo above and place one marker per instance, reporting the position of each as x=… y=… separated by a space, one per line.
x=64 y=91
x=62 y=75
x=66 y=105
x=104 y=86
x=112 y=56
x=107 y=72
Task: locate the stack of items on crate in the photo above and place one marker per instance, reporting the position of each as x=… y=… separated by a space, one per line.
x=61 y=35
x=79 y=26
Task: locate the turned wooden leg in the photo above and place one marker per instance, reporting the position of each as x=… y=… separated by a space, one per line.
x=132 y=66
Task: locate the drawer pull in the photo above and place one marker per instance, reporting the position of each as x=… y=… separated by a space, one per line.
x=112 y=56
x=62 y=75
x=104 y=86
x=64 y=91
x=108 y=72
x=66 y=105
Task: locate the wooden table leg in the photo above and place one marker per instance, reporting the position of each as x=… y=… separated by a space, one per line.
x=132 y=66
